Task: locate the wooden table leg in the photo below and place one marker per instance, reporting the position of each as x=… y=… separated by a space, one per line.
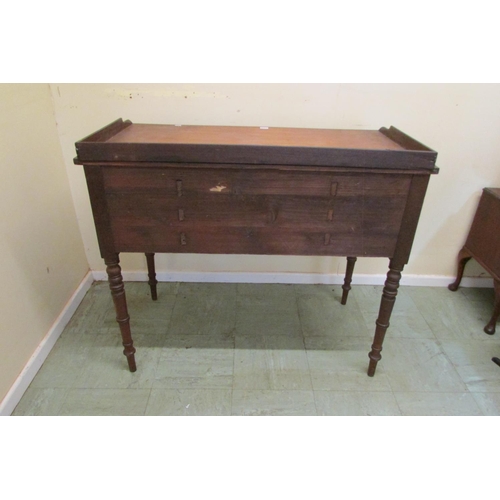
x=118 y=293
x=490 y=327
x=348 y=278
x=150 y=258
x=463 y=257
x=386 y=305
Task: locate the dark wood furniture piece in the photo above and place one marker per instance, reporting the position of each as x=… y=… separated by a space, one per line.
x=483 y=244
x=255 y=190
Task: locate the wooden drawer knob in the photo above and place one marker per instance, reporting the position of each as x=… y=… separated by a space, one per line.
x=274 y=214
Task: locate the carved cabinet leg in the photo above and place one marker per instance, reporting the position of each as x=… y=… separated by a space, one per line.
x=348 y=278
x=386 y=305
x=150 y=258
x=463 y=257
x=118 y=293
x=490 y=327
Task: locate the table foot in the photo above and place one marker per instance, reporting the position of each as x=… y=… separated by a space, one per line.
x=463 y=257
x=117 y=288
x=490 y=327
x=386 y=305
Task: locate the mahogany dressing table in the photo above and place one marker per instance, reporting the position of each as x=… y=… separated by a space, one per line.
x=255 y=190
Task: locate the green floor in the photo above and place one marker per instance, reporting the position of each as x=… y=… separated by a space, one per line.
x=242 y=349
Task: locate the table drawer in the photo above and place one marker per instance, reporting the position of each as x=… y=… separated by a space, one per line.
x=194 y=181
x=253 y=240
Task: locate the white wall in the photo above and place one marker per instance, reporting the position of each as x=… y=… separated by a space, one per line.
x=42 y=261
x=460 y=121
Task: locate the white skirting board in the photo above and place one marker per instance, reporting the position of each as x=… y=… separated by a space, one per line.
x=22 y=382
x=297 y=278
x=16 y=392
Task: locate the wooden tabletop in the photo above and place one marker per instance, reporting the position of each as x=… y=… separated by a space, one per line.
x=255 y=136
x=126 y=142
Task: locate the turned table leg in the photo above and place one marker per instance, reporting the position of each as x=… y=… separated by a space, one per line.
x=348 y=278
x=150 y=258
x=490 y=327
x=386 y=305
x=463 y=257
x=118 y=293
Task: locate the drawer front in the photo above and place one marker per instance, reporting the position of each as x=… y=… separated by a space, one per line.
x=255 y=212
x=252 y=241
x=186 y=181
